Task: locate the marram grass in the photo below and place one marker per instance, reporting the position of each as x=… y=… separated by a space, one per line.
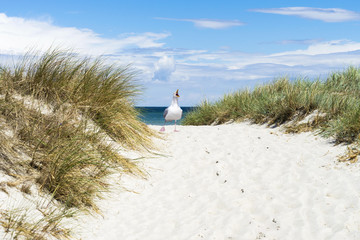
x=20 y=224
x=62 y=112
x=336 y=98
x=104 y=93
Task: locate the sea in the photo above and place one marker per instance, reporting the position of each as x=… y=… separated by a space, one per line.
x=154 y=115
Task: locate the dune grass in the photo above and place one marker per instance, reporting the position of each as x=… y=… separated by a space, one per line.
x=61 y=113
x=20 y=224
x=282 y=101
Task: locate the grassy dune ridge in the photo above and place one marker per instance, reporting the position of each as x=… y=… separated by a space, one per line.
x=336 y=100
x=59 y=114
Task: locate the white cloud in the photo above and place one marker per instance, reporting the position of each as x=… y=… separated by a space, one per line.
x=323 y=14
x=19 y=34
x=208 y=23
x=164 y=68
x=336 y=46
x=215 y=24
x=213 y=73
x=318 y=59
x=200 y=71
x=295 y=42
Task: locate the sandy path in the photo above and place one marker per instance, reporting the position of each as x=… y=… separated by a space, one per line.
x=236 y=181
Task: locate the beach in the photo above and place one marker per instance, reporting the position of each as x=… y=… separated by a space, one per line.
x=268 y=120
x=235 y=181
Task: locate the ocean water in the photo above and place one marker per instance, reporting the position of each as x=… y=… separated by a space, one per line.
x=154 y=115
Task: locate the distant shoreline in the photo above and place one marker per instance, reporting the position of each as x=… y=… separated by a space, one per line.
x=163 y=106
x=154 y=115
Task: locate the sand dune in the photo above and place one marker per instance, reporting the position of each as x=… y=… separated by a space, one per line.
x=236 y=181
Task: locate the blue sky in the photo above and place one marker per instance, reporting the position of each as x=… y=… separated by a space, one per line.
x=204 y=48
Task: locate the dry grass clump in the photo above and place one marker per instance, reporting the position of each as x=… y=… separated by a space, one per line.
x=20 y=224
x=351 y=155
x=59 y=114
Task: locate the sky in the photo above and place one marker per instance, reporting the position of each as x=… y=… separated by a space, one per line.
x=204 y=48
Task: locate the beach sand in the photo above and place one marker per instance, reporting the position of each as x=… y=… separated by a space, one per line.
x=236 y=181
